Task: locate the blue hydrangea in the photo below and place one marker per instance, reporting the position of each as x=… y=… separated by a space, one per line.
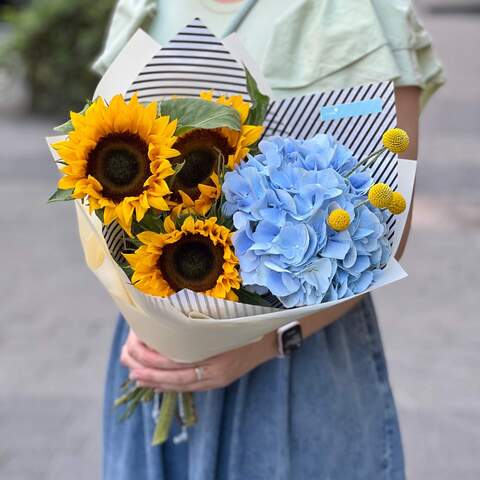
x=280 y=200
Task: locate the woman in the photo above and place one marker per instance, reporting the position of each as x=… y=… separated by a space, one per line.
x=326 y=411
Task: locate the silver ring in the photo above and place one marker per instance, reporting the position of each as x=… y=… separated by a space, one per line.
x=199 y=372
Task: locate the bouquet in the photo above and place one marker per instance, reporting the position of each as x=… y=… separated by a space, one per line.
x=214 y=215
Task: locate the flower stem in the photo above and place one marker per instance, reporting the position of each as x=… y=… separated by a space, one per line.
x=165 y=418
x=364 y=202
x=371 y=162
x=133 y=403
x=365 y=160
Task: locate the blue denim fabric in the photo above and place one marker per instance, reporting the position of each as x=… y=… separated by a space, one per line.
x=326 y=412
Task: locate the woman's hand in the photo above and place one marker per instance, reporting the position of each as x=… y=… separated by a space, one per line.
x=151 y=369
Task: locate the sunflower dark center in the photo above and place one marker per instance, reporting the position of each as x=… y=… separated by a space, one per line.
x=121 y=167
x=193 y=262
x=199 y=165
x=120 y=163
x=201 y=150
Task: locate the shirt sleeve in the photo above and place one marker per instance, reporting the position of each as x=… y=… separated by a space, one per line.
x=128 y=16
x=327 y=44
x=411 y=46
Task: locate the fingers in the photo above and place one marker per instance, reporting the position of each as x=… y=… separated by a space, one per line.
x=127 y=360
x=153 y=370
x=174 y=380
x=143 y=356
x=194 y=387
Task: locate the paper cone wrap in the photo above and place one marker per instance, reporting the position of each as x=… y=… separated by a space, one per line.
x=189 y=327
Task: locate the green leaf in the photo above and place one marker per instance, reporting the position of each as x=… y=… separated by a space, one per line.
x=100 y=213
x=250 y=298
x=150 y=222
x=260 y=102
x=194 y=113
x=127 y=397
x=148 y=396
x=67 y=127
x=61 y=196
x=127 y=269
x=133 y=403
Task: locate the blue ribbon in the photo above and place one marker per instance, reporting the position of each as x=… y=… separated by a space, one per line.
x=355 y=109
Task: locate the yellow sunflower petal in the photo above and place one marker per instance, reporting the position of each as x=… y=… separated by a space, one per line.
x=168 y=225
x=147 y=120
x=66 y=183
x=187 y=202
x=124 y=211
x=158 y=202
x=149 y=237
x=251 y=134
x=109 y=215
x=207 y=95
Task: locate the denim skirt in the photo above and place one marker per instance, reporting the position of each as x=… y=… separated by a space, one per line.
x=324 y=413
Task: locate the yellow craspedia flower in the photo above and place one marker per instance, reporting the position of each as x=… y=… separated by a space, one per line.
x=380 y=195
x=339 y=219
x=396 y=140
x=198 y=256
x=398 y=204
x=117 y=156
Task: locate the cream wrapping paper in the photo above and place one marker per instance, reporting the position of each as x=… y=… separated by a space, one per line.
x=189 y=327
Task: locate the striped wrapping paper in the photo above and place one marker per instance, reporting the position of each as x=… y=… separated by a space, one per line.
x=189 y=326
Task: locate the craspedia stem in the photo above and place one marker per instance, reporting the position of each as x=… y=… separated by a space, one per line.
x=364 y=161
x=372 y=161
x=361 y=204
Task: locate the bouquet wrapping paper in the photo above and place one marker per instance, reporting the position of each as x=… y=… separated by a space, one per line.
x=189 y=326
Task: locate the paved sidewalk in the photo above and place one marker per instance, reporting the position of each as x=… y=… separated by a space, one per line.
x=53 y=353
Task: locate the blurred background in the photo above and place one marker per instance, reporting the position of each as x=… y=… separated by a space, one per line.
x=53 y=353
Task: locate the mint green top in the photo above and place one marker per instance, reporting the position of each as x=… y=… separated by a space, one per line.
x=301 y=45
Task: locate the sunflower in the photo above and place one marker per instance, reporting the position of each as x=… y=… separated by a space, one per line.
x=202 y=151
x=196 y=186
x=197 y=256
x=117 y=156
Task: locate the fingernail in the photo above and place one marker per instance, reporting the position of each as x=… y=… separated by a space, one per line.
x=132 y=376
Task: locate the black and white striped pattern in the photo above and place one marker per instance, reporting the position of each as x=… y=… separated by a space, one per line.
x=194 y=61
x=115 y=238
x=187 y=302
